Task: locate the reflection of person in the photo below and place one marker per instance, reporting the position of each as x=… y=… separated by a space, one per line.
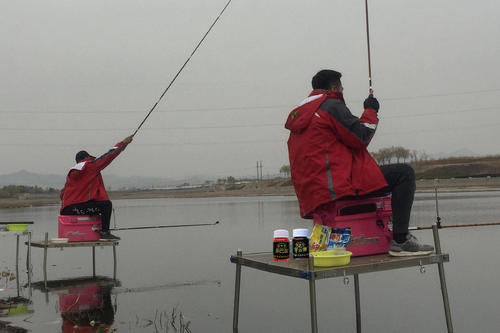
x=329 y=159
x=93 y=317
x=84 y=192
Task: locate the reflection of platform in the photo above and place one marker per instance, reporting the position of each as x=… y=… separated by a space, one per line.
x=15 y=306
x=304 y=269
x=6 y=327
x=47 y=244
x=85 y=303
x=63 y=284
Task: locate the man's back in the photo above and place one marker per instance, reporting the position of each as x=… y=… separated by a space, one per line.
x=329 y=160
x=84 y=181
x=327 y=151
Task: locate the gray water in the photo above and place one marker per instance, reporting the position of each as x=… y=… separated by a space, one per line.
x=187 y=270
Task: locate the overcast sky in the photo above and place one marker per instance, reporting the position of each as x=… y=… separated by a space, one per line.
x=83 y=74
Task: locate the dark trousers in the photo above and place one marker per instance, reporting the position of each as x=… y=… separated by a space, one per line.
x=92 y=208
x=401 y=183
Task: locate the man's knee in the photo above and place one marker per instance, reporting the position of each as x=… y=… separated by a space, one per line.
x=398 y=173
x=103 y=204
x=408 y=170
x=106 y=207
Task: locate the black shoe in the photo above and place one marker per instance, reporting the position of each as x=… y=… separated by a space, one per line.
x=106 y=235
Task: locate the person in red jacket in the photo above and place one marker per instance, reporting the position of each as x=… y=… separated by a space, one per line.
x=84 y=192
x=329 y=159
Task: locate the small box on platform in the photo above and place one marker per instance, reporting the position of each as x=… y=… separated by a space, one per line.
x=370 y=221
x=79 y=228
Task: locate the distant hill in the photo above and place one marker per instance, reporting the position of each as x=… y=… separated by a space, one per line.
x=27 y=178
x=452 y=167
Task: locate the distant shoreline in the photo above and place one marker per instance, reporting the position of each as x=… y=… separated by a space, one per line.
x=278 y=187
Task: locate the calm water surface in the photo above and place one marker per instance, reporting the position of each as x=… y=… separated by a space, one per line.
x=168 y=272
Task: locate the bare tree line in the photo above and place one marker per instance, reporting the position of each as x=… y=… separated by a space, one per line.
x=385 y=156
x=399 y=154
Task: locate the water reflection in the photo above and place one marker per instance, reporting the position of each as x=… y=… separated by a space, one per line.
x=85 y=304
x=260 y=212
x=90 y=305
x=165 y=321
x=11 y=306
x=155 y=269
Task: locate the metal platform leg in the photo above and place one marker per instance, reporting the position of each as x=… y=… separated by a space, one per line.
x=45 y=259
x=93 y=262
x=114 y=261
x=312 y=296
x=442 y=279
x=358 y=306
x=237 y=283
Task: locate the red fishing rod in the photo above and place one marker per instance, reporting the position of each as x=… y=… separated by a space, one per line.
x=182 y=67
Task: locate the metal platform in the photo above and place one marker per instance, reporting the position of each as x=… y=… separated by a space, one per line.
x=48 y=244
x=300 y=268
x=26 y=233
x=304 y=269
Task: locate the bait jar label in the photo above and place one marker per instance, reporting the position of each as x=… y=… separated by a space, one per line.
x=281 y=250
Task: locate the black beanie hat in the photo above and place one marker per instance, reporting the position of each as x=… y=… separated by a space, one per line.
x=324 y=78
x=81 y=155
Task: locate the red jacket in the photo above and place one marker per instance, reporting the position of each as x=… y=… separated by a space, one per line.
x=84 y=181
x=327 y=151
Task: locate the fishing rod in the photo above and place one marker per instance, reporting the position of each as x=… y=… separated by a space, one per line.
x=440 y=226
x=456 y=226
x=438 y=218
x=368 y=46
x=17 y=222
x=182 y=67
x=122 y=290
x=165 y=226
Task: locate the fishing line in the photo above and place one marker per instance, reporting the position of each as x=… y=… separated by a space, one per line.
x=166 y=226
x=182 y=67
x=368 y=46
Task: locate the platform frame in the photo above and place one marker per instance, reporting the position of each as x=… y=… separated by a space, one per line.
x=48 y=244
x=303 y=269
x=28 y=256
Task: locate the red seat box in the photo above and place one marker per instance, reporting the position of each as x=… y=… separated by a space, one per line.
x=370 y=221
x=79 y=228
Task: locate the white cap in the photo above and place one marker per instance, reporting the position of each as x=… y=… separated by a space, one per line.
x=280 y=233
x=300 y=233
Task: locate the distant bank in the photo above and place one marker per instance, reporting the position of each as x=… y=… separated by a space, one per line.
x=278 y=186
